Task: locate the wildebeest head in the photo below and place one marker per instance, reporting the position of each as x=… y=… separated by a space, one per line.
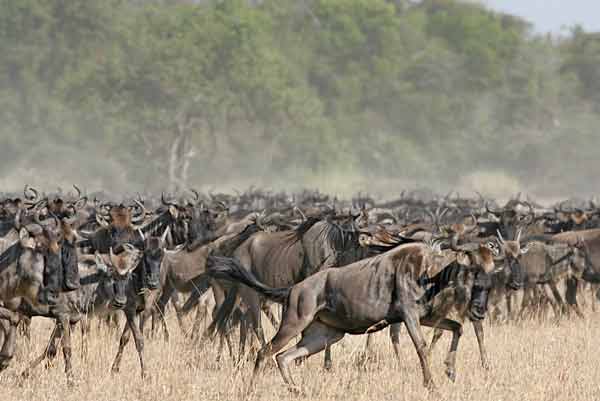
x=121 y=217
x=514 y=216
x=200 y=223
x=511 y=252
x=478 y=259
x=119 y=268
x=152 y=255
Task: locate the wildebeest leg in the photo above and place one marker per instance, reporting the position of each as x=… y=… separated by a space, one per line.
x=85 y=331
x=8 y=348
x=315 y=338
x=456 y=329
x=416 y=335
x=478 y=328
x=593 y=290
x=571 y=296
x=395 y=337
x=224 y=311
x=437 y=334
x=253 y=303
x=558 y=305
x=167 y=292
x=363 y=355
x=122 y=343
x=295 y=320
x=138 y=337
x=65 y=327
x=327 y=362
x=25 y=327
x=509 y=309
x=51 y=342
x=527 y=299
x=52 y=348
x=266 y=308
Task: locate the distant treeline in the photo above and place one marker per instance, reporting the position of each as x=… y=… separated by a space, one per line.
x=339 y=93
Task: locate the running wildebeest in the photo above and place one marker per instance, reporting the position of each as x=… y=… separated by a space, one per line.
x=362 y=297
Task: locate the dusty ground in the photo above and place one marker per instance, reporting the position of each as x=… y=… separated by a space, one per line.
x=532 y=361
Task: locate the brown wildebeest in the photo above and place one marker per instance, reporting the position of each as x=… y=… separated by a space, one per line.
x=510 y=253
x=284 y=258
x=362 y=297
x=103 y=287
x=139 y=304
x=183 y=270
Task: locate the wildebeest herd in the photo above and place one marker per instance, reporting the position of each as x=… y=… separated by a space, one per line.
x=335 y=266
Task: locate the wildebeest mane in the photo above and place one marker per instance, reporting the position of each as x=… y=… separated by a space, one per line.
x=10 y=256
x=305 y=226
x=434 y=285
x=157 y=226
x=5 y=226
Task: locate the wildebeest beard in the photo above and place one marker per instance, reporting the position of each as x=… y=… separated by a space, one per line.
x=454 y=275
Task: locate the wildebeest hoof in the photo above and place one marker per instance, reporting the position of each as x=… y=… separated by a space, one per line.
x=115 y=370
x=4 y=363
x=451 y=375
x=295 y=390
x=328 y=366
x=486 y=365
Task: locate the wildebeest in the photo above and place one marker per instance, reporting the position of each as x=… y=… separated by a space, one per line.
x=362 y=297
x=287 y=257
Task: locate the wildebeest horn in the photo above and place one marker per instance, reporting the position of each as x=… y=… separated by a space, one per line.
x=222 y=204
x=78 y=191
x=441 y=215
x=500 y=236
x=38 y=205
x=431 y=215
x=141 y=206
x=163 y=238
x=111 y=255
x=31 y=198
x=196 y=195
x=142 y=236
x=518 y=235
x=297 y=209
x=101 y=221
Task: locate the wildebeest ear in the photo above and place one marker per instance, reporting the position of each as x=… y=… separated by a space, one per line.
x=173 y=211
x=25 y=239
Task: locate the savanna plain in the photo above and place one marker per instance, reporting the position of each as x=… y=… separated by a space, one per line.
x=530 y=360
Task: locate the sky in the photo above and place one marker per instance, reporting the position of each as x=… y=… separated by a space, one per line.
x=552 y=15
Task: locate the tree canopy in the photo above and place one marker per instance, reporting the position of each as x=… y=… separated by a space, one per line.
x=349 y=94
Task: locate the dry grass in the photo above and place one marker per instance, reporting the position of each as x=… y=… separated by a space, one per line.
x=531 y=361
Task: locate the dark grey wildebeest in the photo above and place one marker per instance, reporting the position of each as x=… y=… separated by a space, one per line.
x=363 y=297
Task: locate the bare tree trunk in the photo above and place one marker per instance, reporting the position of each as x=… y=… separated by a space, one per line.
x=181 y=153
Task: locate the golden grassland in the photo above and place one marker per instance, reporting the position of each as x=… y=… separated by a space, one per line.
x=530 y=361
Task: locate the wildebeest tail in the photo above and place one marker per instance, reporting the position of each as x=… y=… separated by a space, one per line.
x=230 y=269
